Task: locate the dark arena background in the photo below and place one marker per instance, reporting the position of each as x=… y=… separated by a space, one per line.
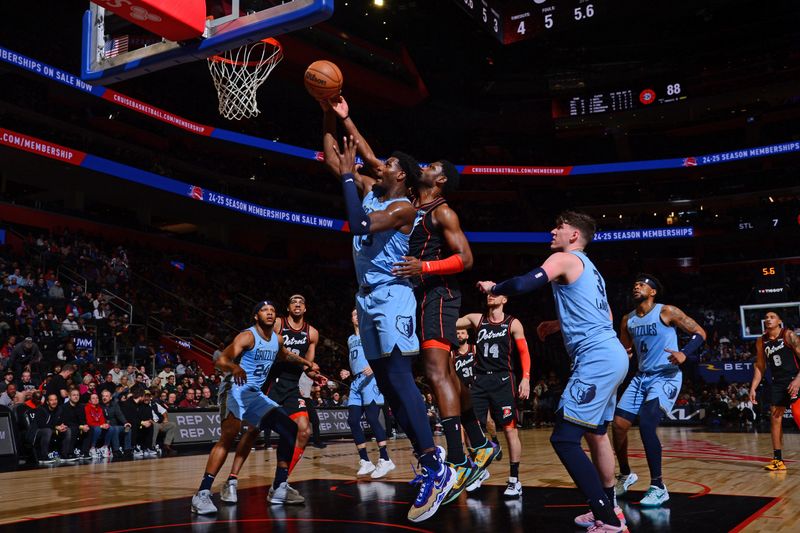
x=139 y=227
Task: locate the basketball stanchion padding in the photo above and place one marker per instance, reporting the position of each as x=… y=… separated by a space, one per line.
x=238 y=73
x=176 y=20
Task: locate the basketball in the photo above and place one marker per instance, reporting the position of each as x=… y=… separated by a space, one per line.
x=323 y=80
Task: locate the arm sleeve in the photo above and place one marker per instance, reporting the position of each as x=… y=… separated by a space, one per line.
x=692 y=347
x=356 y=217
x=452 y=265
x=533 y=280
x=524 y=357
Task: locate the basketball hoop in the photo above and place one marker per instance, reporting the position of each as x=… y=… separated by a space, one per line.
x=238 y=73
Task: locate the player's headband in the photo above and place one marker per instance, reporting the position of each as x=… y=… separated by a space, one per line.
x=647 y=280
x=259 y=305
x=297 y=297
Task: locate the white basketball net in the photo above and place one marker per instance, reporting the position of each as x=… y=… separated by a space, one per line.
x=238 y=73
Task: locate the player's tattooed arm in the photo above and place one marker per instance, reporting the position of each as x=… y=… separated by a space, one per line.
x=675 y=317
x=291 y=357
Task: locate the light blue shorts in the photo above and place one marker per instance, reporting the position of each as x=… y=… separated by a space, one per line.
x=245 y=402
x=590 y=396
x=644 y=387
x=364 y=391
x=387 y=318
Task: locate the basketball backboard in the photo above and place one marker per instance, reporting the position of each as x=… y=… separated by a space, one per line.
x=115 y=49
x=752 y=317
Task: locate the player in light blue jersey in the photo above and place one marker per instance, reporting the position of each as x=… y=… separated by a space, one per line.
x=381 y=224
x=599 y=363
x=365 y=398
x=246 y=363
x=649 y=330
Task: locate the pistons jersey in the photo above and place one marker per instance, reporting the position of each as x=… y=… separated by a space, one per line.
x=296 y=341
x=780 y=357
x=493 y=345
x=427 y=243
x=465 y=364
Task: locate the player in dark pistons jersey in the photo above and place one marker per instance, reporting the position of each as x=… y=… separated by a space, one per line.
x=778 y=347
x=464 y=358
x=495 y=390
x=437 y=250
x=301 y=339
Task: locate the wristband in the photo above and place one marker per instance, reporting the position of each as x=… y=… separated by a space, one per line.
x=694 y=344
x=452 y=265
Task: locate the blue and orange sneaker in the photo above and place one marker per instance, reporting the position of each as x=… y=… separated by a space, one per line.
x=433 y=488
x=484 y=455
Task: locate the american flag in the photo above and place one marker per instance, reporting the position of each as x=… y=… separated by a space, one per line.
x=116 y=46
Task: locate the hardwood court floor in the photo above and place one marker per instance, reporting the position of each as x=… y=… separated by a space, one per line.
x=716 y=480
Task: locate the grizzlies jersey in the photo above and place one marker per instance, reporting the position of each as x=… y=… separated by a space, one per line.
x=651 y=337
x=583 y=310
x=296 y=341
x=358 y=361
x=465 y=363
x=375 y=254
x=427 y=243
x=493 y=345
x=780 y=357
x=258 y=360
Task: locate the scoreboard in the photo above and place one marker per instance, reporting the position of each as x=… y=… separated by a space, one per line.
x=517 y=20
x=624 y=99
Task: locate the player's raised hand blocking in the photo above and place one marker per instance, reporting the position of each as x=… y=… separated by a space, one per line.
x=347 y=157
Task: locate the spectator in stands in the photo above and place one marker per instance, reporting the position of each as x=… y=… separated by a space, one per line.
x=26 y=382
x=170 y=385
x=9 y=397
x=48 y=428
x=141 y=423
x=130 y=371
x=56 y=292
x=59 y=384
x=69 y=324
x=74 y=417
x=67 y=353
x=108 y=385
x=7 y=348
x=119 y=425
x=166 y=373
x=207 y=399
x=8 y=379
x=116 y=373
x=25 y=353
x=99 y=428
x=189 y=401
x=161 y=424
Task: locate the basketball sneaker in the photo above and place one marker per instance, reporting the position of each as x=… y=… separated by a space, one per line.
x=624 y=482
x=383 y=468
x=600 y=527
x=513 y=488
x=466 y=474
x=654 y=497
x=484 y=455
x=475 y=485
x=284 y=495
x=433 y=488
x=366 y=467
x=51 y=458
x=587 y=520
x=775 y=465
x=202 y=504
x=138 y=452
x=228 y=493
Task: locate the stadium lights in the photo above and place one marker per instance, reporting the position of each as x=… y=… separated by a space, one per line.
x=378 y=3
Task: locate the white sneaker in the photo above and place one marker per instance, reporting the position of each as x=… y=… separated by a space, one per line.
x=624 y=482
x=654 y=496
x=228 y=493
x=475 y=485
x=513 y=488
x=284 y=495
x=93 y=453
x=383 y=468
x=202 y=504
x=138 y=453
x=149 y=452
x=366 y=467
